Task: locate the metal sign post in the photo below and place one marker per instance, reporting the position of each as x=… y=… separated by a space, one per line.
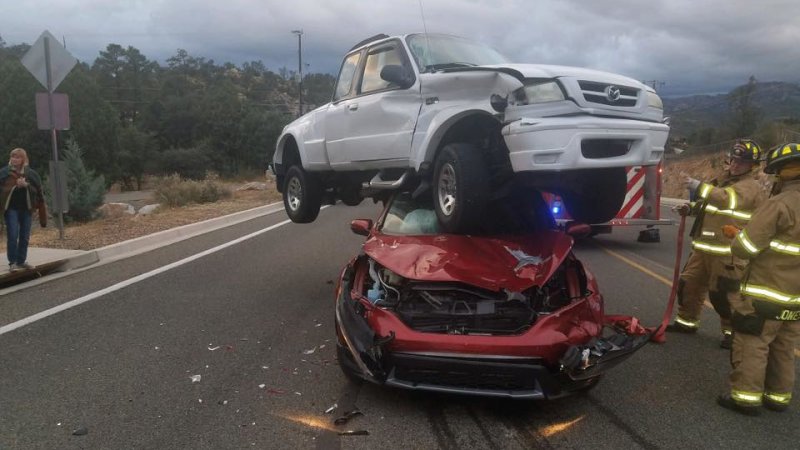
x=50 y=63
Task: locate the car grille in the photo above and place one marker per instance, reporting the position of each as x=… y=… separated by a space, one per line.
x=471 y=374
x=594 y=92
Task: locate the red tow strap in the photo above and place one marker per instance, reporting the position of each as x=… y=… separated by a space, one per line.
x=659 y=335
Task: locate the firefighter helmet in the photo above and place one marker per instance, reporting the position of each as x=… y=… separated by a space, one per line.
x=780 y=155
x=745 y=150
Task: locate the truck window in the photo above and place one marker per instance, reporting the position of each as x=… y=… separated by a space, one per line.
x=376 y=60
x=345 y=81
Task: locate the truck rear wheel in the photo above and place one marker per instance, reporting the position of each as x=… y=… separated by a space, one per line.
x=302 y=195
x=460 y=187
x=599 y=197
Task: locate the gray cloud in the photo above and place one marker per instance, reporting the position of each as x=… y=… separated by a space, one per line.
x=693 y=46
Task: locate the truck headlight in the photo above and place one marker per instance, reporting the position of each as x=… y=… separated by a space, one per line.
x=538 y=91
x=654 y=101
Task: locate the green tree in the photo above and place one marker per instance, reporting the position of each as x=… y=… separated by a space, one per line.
x=86 y=190
x=136 y=153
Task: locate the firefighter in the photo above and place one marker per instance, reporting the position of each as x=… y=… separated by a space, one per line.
x=766 y=310
x=711 y=268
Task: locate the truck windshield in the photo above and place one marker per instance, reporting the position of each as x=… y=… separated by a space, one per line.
x=437 y=51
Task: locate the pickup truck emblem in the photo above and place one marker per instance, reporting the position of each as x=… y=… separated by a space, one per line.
x=612 y=93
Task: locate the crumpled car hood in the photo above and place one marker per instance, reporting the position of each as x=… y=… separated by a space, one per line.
x=553 y=71
x=495 y=263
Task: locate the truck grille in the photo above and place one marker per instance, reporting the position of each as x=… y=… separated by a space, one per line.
x=594 y=92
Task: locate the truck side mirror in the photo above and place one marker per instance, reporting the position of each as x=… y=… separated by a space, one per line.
x=398 y=75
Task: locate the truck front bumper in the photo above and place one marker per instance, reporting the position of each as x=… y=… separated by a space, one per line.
x=583 y=142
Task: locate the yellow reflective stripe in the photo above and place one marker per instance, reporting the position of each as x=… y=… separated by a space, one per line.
x=716 y=249
x=753 y=398
x=741 y=215
x=789 y=249
x=727 y=332
x=709 y=233
x=779 y=398
x=731 y=198
x=769 y=294
x=747 y=243
x=687 y=323
x=705 y=189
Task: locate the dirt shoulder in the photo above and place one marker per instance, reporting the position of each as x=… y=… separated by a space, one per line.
x=106 y=231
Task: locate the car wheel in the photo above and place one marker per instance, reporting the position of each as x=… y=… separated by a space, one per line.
x=460 y=187
x=347 y=364
x=302 y=195
x=600 y=197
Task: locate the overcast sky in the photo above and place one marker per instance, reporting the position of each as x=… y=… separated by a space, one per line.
x=693 y=46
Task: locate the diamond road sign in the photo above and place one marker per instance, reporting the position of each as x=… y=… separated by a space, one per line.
x=61 y=61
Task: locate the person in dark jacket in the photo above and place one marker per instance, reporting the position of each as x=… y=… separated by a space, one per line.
x=20 y=193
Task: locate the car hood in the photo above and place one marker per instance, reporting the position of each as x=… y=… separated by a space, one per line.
x=553 y=71
x=495 y=263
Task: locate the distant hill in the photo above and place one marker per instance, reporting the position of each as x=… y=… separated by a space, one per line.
x=775 y=100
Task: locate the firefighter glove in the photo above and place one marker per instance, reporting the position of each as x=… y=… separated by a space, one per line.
x=683 y=209
x=691 y=183
x=730 y=231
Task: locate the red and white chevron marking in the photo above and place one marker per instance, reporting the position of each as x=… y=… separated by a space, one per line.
x=632 y=207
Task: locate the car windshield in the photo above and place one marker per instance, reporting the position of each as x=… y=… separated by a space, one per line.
x=515 y=214
x=436 y=51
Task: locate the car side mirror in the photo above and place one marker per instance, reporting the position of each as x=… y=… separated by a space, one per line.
x=578 y=230
x=361 y=226
x=398 y=75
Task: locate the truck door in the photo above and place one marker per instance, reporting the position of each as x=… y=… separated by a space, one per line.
x=380 y=117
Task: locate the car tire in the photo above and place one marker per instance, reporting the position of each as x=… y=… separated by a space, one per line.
x=460 y=187
x=600 y=197
x=302 y=195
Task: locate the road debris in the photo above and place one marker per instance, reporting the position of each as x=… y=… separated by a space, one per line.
x=82 y=431
x=354 y=433
x=332 y=408
x=343 y=419
x=309 y=352
x=213 y=348
x=262 y=386
x=195 y=378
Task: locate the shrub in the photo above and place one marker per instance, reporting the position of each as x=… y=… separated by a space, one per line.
x=85 y=190
x=176 y=191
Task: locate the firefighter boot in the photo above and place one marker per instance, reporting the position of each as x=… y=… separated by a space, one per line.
x=774 y=406
x=727 y=402
x=678 y=327
x=727 y=340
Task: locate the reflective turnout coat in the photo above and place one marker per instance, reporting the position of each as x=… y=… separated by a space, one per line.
x=731 y=202
x=771 y=240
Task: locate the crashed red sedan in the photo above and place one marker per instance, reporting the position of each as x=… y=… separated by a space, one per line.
x=508 y=311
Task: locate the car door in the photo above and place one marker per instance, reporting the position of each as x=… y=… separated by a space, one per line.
x=380 y=116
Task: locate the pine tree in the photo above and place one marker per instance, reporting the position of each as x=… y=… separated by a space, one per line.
x=86 y=190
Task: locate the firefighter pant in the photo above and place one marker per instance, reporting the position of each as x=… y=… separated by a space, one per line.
x=763 y=365
x=715 y=275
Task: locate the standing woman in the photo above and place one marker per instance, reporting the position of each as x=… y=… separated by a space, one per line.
x=21 y=193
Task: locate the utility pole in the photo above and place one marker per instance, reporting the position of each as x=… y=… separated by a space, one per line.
x=299 y=34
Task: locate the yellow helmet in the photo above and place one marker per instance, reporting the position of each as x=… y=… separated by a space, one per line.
x=780 y=155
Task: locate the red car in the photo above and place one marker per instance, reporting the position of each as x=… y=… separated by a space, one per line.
x=508 y=311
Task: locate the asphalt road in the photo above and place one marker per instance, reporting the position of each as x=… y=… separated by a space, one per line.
x=235 y=349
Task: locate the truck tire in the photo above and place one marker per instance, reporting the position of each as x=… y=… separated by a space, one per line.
x=600 y=196
x=460 y=187
x=302 y=195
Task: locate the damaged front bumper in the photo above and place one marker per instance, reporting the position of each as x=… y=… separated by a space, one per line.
x=369 y=356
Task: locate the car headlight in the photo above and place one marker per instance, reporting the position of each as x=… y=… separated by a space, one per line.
x=538 y=92
x=654 y=101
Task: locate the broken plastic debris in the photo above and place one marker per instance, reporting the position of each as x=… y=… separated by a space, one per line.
x=318 y=325
x=332 y=408
x=347 y=416
x=354 y=433
x=322 y=346
x=200 y=400
x=308 y=352
x=222 y=402
x=262 y=386
x=265 y=367
x=82 y=431
x=195 y=378
x=213 y=348
x=274 y=391
x=298 y=393
x=156 y=347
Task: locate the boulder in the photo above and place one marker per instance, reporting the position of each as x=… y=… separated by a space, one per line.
x=253 y=186
x=148 y=209
x=111 y=210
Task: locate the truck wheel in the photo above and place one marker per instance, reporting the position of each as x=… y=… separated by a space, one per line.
x=600 y=196
x=302 y=195
x=460 y=187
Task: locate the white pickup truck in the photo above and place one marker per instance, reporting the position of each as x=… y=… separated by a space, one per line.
x=452 y=118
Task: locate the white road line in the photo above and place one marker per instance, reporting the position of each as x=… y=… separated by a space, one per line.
x=78 y=301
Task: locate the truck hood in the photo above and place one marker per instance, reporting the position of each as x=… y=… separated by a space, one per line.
x=552 y=71
x=494 y=263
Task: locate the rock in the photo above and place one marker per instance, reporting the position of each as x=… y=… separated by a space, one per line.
x=148 y=209
x=111 y=210
x=253 y=186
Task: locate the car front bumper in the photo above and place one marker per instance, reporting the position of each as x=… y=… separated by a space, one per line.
x=583 y=142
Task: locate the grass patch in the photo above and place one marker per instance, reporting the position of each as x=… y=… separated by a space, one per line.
x=175 y=191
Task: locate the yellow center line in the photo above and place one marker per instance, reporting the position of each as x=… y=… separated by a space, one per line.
x=658 y=277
